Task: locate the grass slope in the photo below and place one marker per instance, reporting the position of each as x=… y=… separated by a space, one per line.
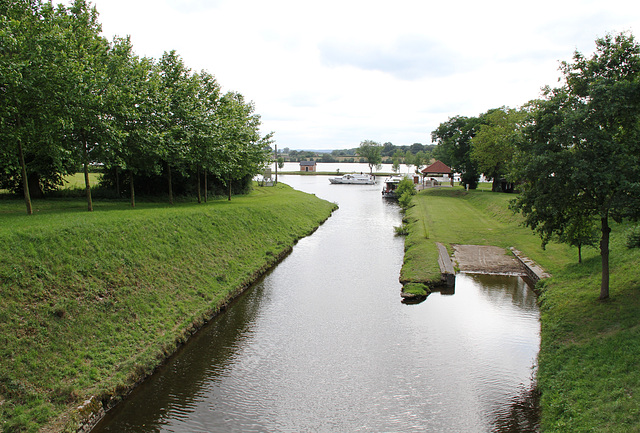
x=91 y=303
x=589 y=362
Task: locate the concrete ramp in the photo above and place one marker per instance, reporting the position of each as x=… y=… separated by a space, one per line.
x=482 y=259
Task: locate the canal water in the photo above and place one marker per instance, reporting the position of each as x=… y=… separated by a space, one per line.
x=323 y=343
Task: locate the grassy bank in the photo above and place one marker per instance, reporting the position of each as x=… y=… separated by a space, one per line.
x=589 y=362
x=91 y=303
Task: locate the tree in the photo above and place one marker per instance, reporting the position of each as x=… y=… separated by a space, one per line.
x=581 y=156
x=131 y=100
x=372 y=152
x=453 y=139
x=243 y=153
x=31 y=98
x=581 y=230
x=494 y=144
x=177 y=113
x=87 y=122
x=397 y=157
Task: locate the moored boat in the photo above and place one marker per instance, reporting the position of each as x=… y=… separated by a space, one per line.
x=389 y=186
x=354 y=179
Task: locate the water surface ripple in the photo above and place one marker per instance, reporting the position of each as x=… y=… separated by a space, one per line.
x=323 y=344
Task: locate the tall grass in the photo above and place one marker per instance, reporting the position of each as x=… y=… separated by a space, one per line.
x=90 y=303
x=589 y=362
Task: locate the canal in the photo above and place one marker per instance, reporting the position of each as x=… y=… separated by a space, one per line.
x=323 y=343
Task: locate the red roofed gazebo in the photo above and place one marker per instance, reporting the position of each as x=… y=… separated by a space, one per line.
x=438 y=169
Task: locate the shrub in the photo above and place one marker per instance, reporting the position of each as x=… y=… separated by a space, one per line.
x=633 y=238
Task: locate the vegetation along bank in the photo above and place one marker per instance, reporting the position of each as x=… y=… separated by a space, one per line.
x=92 y=303
x=589 y=362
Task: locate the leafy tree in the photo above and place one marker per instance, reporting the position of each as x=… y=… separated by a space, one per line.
x=206 y=141
x=243 y=153
x=87 y=122
x=397 y=157
x=581 y=156
x=177 y=114
x=493 y=146
x=419 y=160
x=580 y=231
x=388 y=149
x=453 y=139
x=31 y=90
x=405 y=192
x=372 y=152
x=131 y=100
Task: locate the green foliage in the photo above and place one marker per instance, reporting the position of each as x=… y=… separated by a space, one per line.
x=372 y=153
x=418 y=289
x=493 y=146
x=405 y=192
x=581 y=155
x=633 y=237
x=453 y=139
x=401 y=230
x=70 y=98
x=93 y=302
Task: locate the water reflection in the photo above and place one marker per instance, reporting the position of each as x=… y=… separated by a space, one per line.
x=323 y=344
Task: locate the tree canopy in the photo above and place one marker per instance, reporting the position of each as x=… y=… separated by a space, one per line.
x=372 y=152
x=580 y=159
x=69 y=99
x=453 y=139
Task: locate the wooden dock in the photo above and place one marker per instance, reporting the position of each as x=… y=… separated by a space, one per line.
x=446 y=266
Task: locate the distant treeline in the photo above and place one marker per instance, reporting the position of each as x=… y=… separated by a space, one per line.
x=350 y=155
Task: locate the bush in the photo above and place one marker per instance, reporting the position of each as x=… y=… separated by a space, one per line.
x=402 y=230
x=633 y=238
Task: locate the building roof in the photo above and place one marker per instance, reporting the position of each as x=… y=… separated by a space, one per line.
x=437 y=167
x=305 y=163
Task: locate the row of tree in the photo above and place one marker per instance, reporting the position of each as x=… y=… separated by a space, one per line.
x=69 y=98
x=574 y=154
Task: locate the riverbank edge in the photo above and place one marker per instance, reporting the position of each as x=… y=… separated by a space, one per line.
x=93 y=410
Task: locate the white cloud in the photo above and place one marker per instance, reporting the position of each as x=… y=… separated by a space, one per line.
x=331 y=74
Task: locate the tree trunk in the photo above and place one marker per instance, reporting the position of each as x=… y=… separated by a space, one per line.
x=25 y=181
x=495 y=184
x=604 y=255
x=206 y=186
x=35 y=190
x=118 y=181
x=86 y=177
x=133 y=190
x=580 y=253
x=229 y=189
x=170 y=184
x=199 y=192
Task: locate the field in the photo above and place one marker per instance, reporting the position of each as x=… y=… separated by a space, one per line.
x=589 y=363
x=91 y=303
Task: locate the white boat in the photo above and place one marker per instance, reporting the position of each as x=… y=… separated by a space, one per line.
x=354 y=179
x=389 y=186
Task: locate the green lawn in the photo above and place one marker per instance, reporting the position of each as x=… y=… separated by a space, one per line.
x=589 y=363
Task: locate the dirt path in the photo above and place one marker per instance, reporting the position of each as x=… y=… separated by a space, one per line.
x=486 y=259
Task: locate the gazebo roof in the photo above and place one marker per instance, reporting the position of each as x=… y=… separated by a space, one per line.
x=437 y=167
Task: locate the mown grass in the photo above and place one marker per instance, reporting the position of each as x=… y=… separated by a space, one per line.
x=589 y=361
x=90 y=303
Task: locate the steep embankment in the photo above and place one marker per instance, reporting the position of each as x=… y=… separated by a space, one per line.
x=91 y=303
x=589 y=361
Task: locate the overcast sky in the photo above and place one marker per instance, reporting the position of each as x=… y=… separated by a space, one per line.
x=330 y=74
